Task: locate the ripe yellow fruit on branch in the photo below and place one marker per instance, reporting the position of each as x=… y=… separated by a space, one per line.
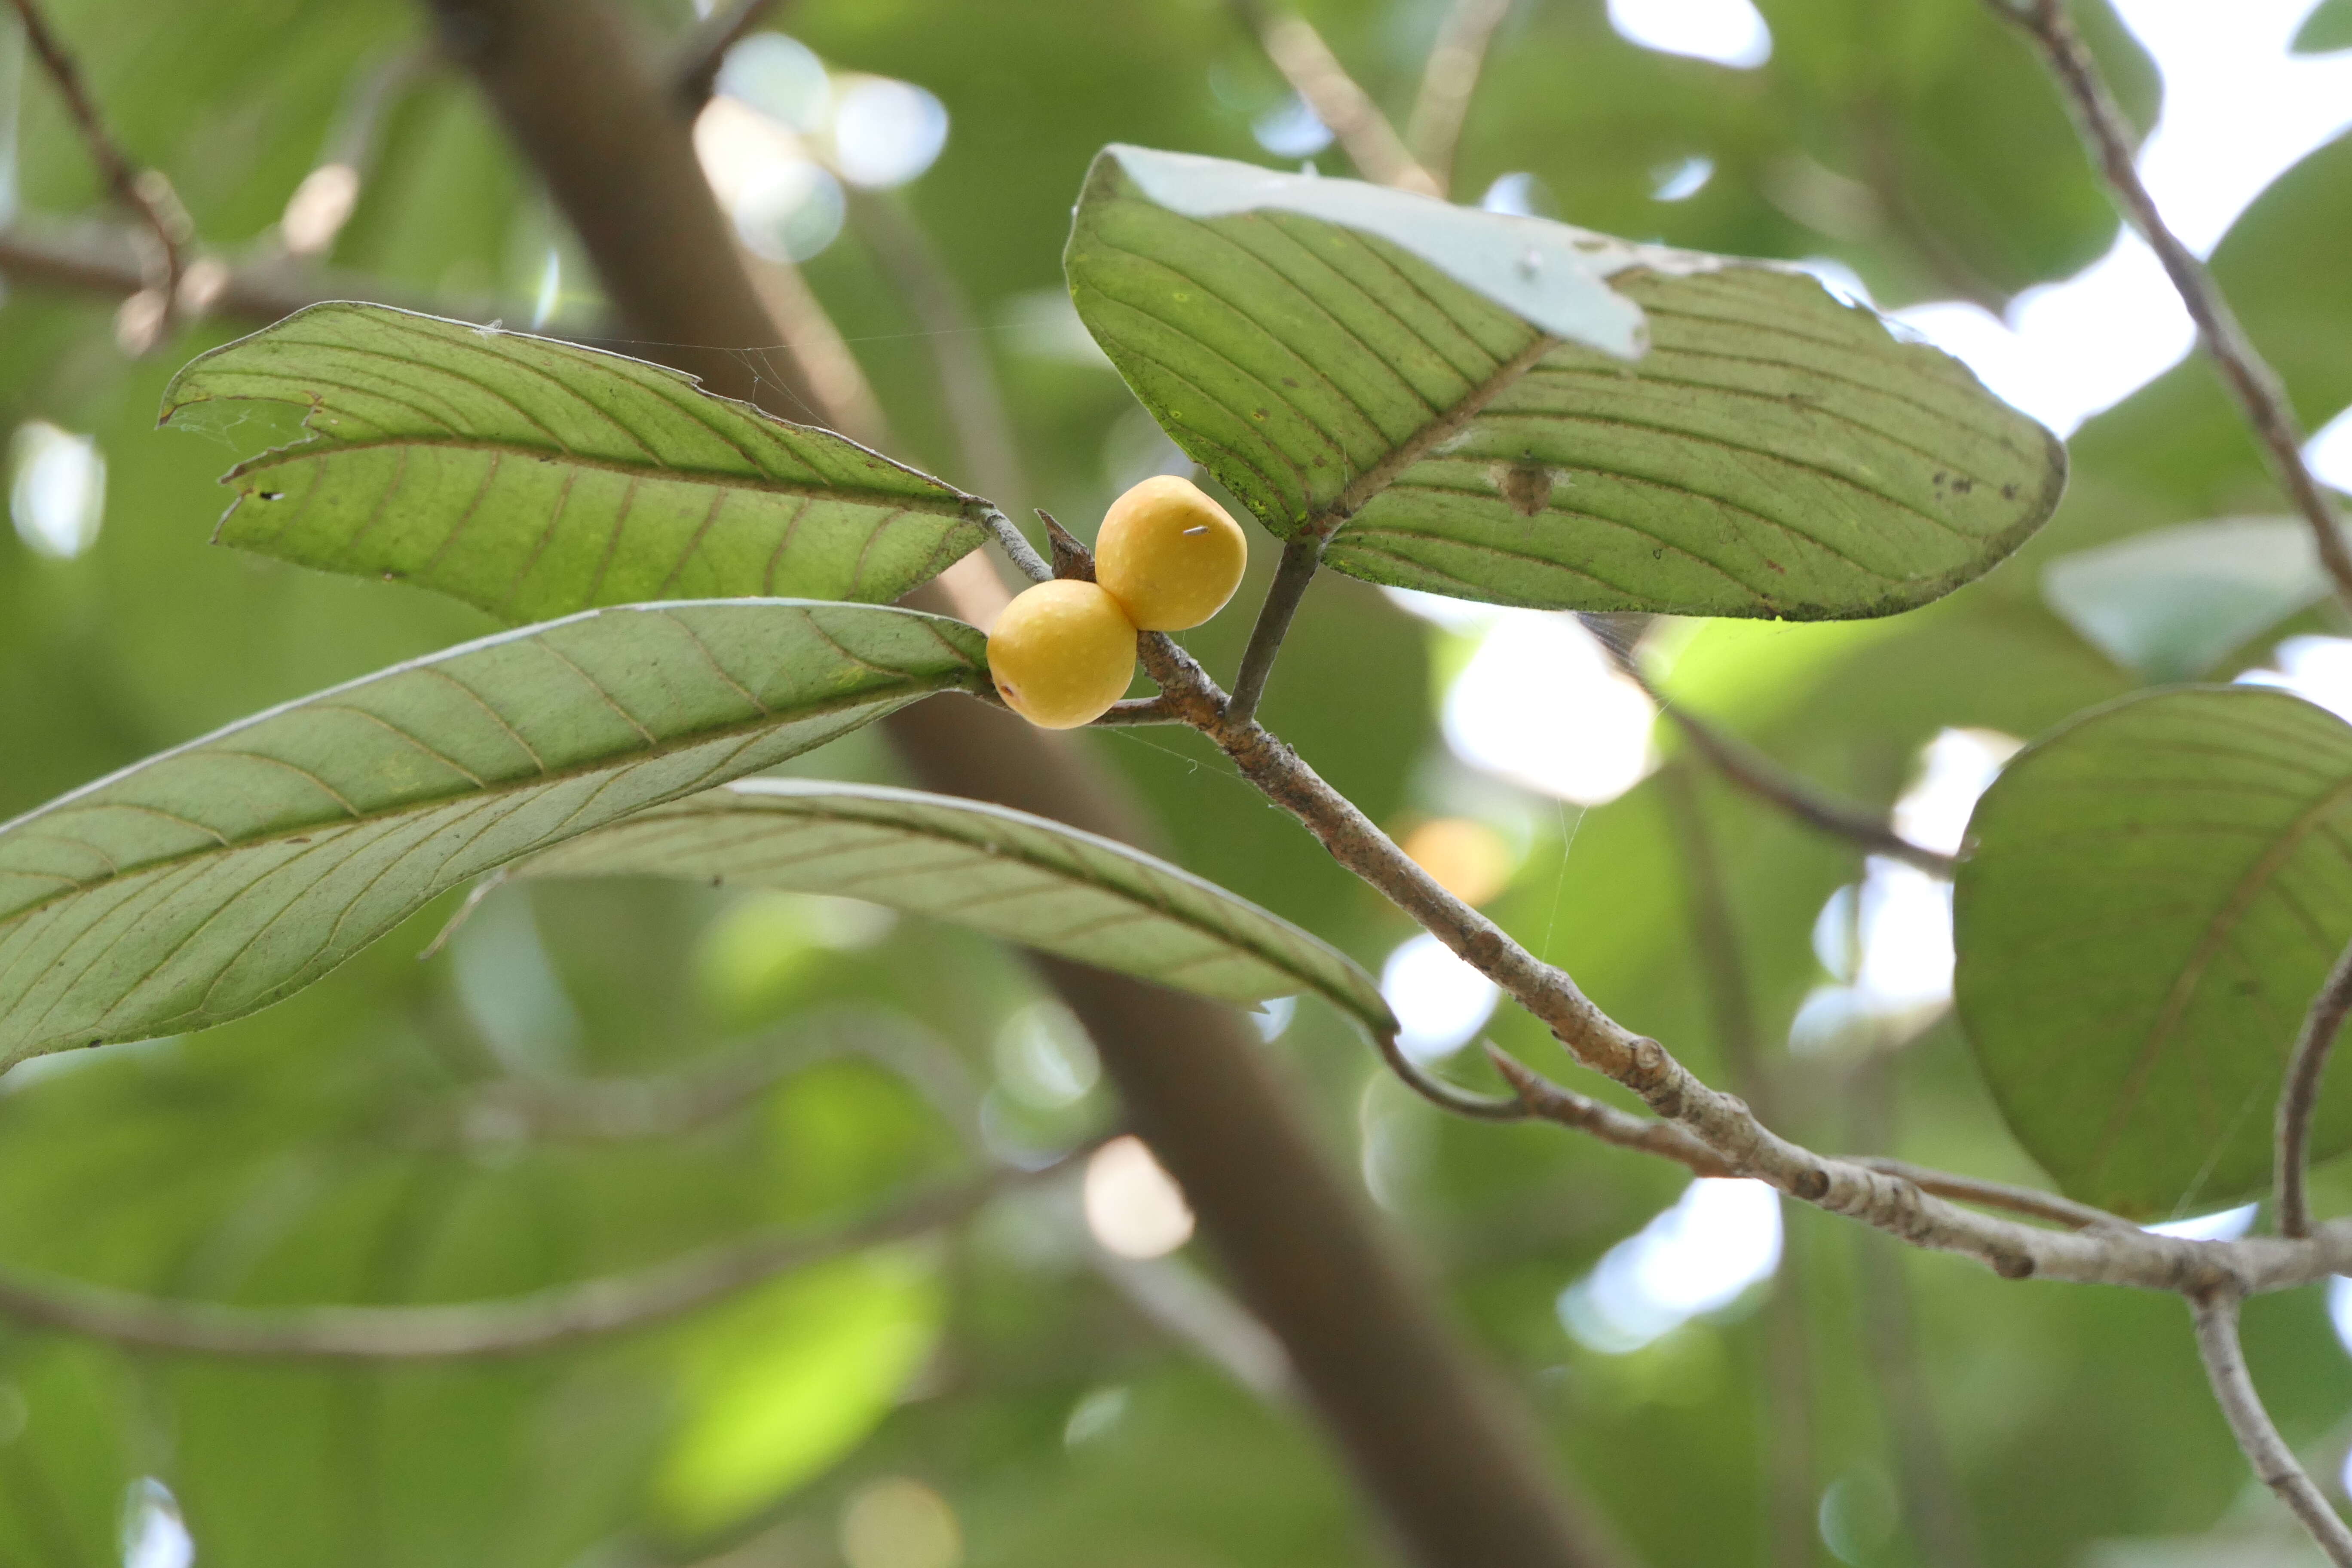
x=1169 y=554
x=1062 y=653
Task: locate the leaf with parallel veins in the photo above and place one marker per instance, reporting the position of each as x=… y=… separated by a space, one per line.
x=1004 y=872
x=2151 y=897
x=211 y=881
x=1507 y=409
x=534 y=478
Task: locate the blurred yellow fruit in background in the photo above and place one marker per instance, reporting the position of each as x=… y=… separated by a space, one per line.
x=1468 y=859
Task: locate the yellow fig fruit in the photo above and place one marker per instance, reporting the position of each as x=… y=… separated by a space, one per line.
x=1169 y=554
x=1062 y=653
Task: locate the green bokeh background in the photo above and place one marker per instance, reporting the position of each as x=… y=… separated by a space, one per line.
x=335 y=1148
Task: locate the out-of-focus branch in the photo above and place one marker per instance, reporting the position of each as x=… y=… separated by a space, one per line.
x=2299 y=1095
x=694 y=70
x=2274 y=1462
x=812 y=350
x=516 y=1325
x=323 y=203
x=1315 y=73
x=146 y=193
x=985 y=443
x=1195 y=1313
x=1449 y=78
x=630 y=184
x=1799 y=796
x=1878 y=143
x=1759 y=775
x=1788 y=1347
x=1932 y=1496
x=104 y=259
x=662 y=1105
x=2260 y=394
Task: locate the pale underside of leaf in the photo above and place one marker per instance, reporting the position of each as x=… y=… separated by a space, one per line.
x=534 y=478
x=1774 y=452
x=2173 y=602
x=1003 y=872
x=211 y=881
x=2154 y=896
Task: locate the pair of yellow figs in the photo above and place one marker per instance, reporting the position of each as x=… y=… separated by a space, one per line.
x=1167 y=559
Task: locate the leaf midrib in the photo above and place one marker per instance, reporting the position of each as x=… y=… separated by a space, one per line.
x=668 y=747
x=1023 y=855
x=954 y=504
x=2216 y=932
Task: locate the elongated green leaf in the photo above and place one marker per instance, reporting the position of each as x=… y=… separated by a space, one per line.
x=2154 y=895
x=1507 y=409
x=1004 y=872
x=2325 y=31
x=535 y=478
x=2171 y=602
x=213 y=879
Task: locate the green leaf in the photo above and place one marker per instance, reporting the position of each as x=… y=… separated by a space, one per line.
x=1005 y=872
x=2153 y=896
x=2173 y=602
x=2325 y=31
x=785 y=1380
x=219 y=877
x=1448 y=390
x=534 y=478
x=340 y=1150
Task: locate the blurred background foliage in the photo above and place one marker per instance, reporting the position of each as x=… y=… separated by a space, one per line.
x=1006 y=1390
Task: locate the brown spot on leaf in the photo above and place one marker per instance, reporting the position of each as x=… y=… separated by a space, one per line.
x=1524 y=487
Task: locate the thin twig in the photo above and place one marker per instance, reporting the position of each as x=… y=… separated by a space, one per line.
x=1300 y=556
x=1315 y=73
x=1142 y=710
x=2031 y=1202
x=2299 y=1096
x=1932 y=1499
x=694 y=73
x=1192 y=1310
x=1788 y=1435
x=1547 y=1102
x=1788 y=1347
x=516 y=1325
x=2260 y=394
x=1758 y=774
x=1443 y=1095
x=148 y=196
x=1731 y=1138
x=1877 y=140
x=104 y=258
x=1017 y=549
x=1448 y=80
x=2274 y=1462
x=1723 y=960
x=508 y=1111
x=838 y=395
